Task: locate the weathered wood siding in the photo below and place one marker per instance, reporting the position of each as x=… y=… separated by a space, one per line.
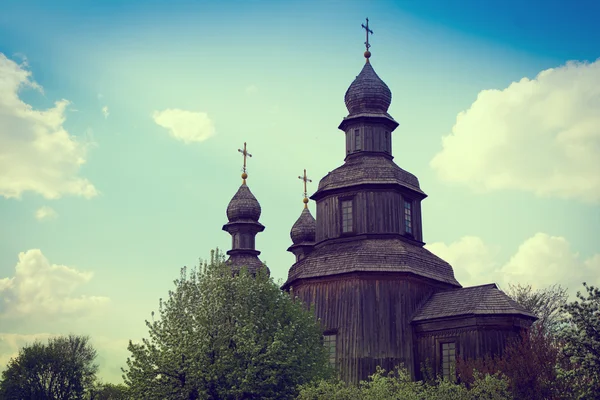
x=374 y=211
x=373 y=137
x=474 y=337
x=371 y=316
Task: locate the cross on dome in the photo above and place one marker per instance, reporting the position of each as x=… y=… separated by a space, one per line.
x=244 y=153
x=305 y=179
x=367 y=45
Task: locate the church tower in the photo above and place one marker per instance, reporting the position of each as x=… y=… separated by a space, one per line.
x=367 y=272
x=243 y=213
x=304 y=229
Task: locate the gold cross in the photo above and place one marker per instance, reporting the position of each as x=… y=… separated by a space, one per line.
x=366 y=28
x=245 y=153
x=305 y=179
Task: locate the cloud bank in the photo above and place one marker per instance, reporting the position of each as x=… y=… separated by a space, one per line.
x=540 y=135
x=40 y=289
x=37 y=154
x=540 y=261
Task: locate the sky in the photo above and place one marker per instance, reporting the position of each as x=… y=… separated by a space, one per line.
x=120 y=124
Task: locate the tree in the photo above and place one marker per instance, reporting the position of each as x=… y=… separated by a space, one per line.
x=529 y=363
x=398 y=385
x=108 y=391
x=221 y=336
x=545 y=303
x=582 y=342
x=59 y=370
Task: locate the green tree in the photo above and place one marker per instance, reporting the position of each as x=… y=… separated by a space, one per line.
x=547 y=304
x=221 y=336
x=108 y=391
x=61 y=370
x=398 y=385
x=582 y=343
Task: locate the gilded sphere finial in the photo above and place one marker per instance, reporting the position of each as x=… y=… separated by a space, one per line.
x=367 y=54
x=244 y=175
x=305 y=200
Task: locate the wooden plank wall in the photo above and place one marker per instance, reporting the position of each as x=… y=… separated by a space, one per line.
x=472 y=342
x=372 y=318
x=375 y=211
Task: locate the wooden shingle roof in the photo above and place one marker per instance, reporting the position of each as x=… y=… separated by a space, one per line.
x=474 y=300
x=243 y=206
x=374 y=255
x=368 y=169
x=368 y=93
x=304 y=229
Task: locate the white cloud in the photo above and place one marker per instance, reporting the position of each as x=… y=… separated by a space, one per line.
x=105 y=112
x=540 y=135
x=39 y=288
x=37 y=154
x=470 y=257
x=251 y=89
x=45 y=213
x=187 y=126
x=540 y=261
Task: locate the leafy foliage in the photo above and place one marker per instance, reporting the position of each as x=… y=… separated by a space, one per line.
x=582 y=343
x=398 y=385
x=558 y=358
x=546 y=303
x=226 y=337
x=108 y=391
x=529 y=363
x=61 y=370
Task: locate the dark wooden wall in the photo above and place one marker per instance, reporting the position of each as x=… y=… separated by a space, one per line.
x=373 y=137
x=371 y=316
x=375 y=211
x=474 y=336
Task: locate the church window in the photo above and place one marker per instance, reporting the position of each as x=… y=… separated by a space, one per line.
x=385 y=143
x=408 y=217
x=449 y=360
x=357 y=143
x=346 y=216
x=329 y=341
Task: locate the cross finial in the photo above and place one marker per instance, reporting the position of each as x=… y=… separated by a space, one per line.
x=305 y=179
x=367 y=45
x=245 y=153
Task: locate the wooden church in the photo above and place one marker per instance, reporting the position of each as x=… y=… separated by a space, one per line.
x=382 y=298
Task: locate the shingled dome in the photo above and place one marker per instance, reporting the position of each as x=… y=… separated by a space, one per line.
x=243 y=206
x=368 y=93
x=304 y=230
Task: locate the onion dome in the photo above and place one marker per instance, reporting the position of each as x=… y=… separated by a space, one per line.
x=243 y=205
x=368 y=93
x=304 y=229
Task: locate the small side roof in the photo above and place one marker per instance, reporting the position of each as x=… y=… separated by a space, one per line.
x=474 y=300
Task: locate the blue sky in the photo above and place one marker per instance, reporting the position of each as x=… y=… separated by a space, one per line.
x=104 y=198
